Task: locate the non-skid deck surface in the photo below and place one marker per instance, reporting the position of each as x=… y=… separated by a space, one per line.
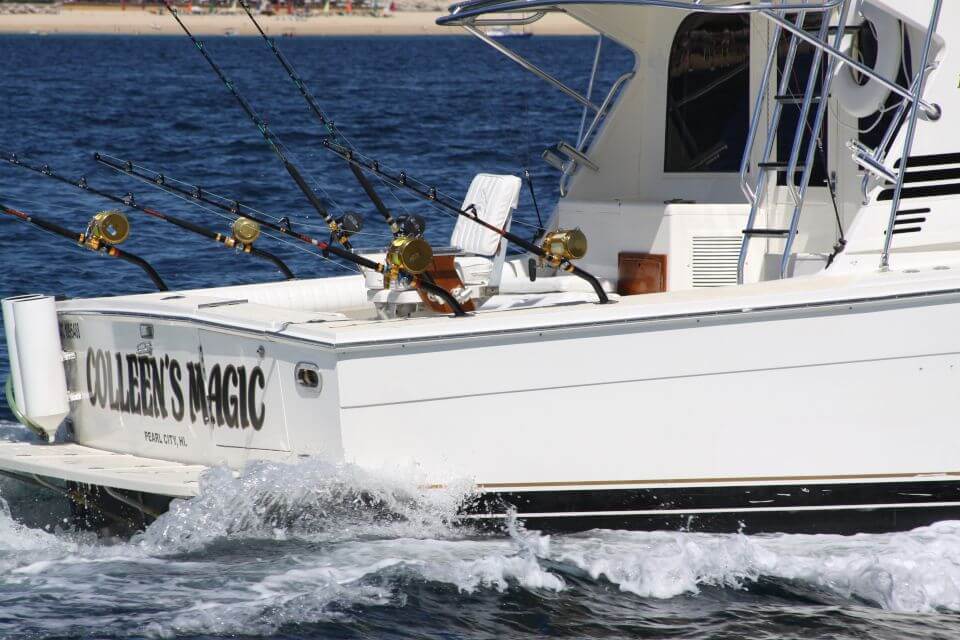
x=94 y=466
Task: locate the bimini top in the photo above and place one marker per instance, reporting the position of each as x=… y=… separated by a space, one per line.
x=467 y=13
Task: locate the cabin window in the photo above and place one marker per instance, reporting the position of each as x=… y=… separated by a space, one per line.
x=708 y=94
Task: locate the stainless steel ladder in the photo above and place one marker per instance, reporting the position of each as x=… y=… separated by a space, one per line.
x=872 y=160
x=758 y=193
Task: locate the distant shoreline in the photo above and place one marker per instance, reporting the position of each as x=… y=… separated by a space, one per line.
x=138 y=21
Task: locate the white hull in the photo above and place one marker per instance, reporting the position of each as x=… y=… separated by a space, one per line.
x=772 y=385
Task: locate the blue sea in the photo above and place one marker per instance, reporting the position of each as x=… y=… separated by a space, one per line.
x=298 y=551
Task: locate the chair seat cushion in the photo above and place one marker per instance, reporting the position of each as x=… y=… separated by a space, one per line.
x=474 y=270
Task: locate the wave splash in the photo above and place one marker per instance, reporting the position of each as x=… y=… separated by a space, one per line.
x=309 y=500
x=317 y=543
x=917 y=571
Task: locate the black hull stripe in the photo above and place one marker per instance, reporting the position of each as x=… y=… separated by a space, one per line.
x=921 y=192
x=932 y=160
x=933 y=175
x=841 y=522
x=912 y=510
x=725 y=498
x=701 y=512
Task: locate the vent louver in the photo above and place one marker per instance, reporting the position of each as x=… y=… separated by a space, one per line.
x=715 y=260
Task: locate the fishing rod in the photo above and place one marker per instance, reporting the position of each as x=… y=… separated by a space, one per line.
x=269 y=137
x=245 y=231
x=106 y=229
x=558 y=249
x=407 y=257
x=326 y=122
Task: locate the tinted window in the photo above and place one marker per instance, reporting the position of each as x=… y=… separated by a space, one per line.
x=708 y=95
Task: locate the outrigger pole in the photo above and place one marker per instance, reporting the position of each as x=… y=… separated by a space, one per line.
x=94 y=241
x=129 y=201
x=402 y=181
x=196 y=193
x=271 y=139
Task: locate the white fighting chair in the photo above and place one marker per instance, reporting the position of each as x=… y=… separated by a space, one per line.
x=480 y=252
x=494 y=197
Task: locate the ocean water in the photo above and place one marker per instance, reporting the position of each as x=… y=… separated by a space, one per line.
x=313 y=550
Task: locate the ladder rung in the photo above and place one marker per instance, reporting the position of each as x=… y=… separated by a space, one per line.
x=849 y=30
x=794 y=99
x=772 y=233
x=778 y=166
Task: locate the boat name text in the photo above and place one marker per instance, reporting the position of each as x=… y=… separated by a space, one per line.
x=153 y=386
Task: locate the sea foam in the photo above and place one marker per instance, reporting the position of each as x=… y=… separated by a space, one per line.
x=314 y=542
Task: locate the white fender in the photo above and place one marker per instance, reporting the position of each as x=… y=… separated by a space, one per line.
x=864 y=100
x=9 y=325
x=40 y=382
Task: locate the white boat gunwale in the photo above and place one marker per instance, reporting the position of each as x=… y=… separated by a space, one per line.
x=908 y=289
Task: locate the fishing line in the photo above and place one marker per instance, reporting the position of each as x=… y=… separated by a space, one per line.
x=269 y=137
x=325 y=121
x=279 y=238
x=346 y=150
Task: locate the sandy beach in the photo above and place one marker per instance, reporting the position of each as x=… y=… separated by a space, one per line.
x=148 y=21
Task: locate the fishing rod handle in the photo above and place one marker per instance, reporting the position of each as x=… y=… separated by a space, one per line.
x=140 y=262
x=443 y=294
x=589 y=277
x=80 y=239
x=280 y=264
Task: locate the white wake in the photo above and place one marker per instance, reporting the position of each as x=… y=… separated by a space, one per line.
x=307 y=542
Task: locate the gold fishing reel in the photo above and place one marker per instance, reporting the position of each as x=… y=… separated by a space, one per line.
x=107 y=227
x=245 y=231
x=564 y=244
x=409 y=254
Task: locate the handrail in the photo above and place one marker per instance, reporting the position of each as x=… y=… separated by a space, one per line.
x=461 y=13
x=812 y=77
x=923 y=71
x=800 y=193
x=755 y=119
x=532 y=68
x=601 y=113
x=762 y=176
x=464 y=10
x=882 y=149
x=593 y=78
x=510 y=22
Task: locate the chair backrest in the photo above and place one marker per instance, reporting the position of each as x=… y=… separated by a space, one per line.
x=495 y=197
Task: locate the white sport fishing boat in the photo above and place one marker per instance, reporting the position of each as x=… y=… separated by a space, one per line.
x=767 y=198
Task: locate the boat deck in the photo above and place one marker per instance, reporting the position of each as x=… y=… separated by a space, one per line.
x=76 y=463
x=216 y=310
